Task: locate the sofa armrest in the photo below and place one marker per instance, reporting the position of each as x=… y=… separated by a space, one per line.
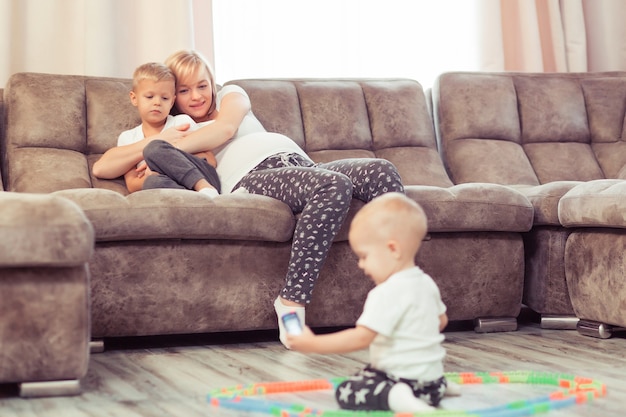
x=40 y=230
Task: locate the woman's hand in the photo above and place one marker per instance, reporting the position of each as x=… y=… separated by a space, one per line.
x=175 y=134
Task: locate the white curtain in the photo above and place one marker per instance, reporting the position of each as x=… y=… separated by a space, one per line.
x=344 y=38
x=98 y=37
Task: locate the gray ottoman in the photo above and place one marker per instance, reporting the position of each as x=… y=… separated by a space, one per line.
x=45 y=244
x=595 y=254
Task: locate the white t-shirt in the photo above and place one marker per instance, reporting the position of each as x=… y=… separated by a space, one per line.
x=135 y=134
x=251 y=145
x=404 y=310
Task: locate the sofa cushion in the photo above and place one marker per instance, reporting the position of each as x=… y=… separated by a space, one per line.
x=545 y=200
x=183 y=214
x=595 y=204
x=473 y=207
x=43 y=230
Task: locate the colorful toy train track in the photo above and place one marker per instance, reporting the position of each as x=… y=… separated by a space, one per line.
x=571 y=390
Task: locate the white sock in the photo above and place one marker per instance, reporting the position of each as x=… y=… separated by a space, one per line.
x=402 y=399
x=281 y=310
x=208 y=191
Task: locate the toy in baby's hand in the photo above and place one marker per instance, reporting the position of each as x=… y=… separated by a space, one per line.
x=572 y=390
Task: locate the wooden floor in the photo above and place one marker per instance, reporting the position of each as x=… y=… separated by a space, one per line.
x=171 y=376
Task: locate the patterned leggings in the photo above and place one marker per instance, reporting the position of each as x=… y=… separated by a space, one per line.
x=369 y=390
x=321 y=193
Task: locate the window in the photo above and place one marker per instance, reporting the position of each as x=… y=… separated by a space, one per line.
x=416 y=39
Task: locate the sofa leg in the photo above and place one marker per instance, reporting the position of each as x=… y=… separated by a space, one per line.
x=495 y=324
x=49 y=388
x=96 y=346
x=597 y=329
x=555 y=322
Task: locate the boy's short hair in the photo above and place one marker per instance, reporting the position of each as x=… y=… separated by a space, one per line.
x=153 y=71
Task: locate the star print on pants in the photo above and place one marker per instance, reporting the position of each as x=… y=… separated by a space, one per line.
x=345 y=392
x=359 y=396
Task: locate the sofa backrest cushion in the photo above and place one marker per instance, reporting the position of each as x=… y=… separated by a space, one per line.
x=57 y=126
x=333 y=119
x=520 y=128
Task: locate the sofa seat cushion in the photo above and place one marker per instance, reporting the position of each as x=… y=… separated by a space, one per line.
x=545 y=200
x=183 y=214
x=473 y=207
x=43 y=230
x=600 y=203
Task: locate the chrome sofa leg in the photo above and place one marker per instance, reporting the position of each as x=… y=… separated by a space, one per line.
x=495 y=324
x=96 y=346
x=597 y=329
x=550 y=321
x=49 y=388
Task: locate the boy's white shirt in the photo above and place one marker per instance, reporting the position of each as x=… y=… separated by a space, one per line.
x=404 y=310
x=135 y=134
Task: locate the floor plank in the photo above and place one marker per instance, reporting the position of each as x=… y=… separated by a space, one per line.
x=171 y=376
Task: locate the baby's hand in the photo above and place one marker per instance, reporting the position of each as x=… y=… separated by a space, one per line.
x=301 y=342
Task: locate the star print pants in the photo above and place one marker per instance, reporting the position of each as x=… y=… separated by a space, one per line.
x=369 y=390
x=321 y=195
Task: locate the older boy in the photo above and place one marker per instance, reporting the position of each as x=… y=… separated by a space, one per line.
x=164 y=166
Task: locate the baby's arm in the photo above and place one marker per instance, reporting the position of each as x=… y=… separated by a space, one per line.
x=348 y=340
x=443 y=322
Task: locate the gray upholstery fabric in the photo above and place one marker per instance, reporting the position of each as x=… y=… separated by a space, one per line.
x=555 y=138
x=172 y=261
x=46 y=244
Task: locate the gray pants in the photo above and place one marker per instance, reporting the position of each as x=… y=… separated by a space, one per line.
x=176 y=168
x=321 y=193
x=369 y=390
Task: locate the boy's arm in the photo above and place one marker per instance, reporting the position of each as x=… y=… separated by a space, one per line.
x=348 y=340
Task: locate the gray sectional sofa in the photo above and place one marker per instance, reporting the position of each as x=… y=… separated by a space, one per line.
x=489 y=159
x=560 y=140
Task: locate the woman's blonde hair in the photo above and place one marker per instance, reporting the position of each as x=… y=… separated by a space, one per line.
x=185 y=63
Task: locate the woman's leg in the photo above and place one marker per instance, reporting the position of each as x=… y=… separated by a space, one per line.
x=322 y=198
x=370 y=177
x=185 y=169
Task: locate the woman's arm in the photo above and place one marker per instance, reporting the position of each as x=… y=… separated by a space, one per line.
x=233 y=108
x=118 y=160
x=344 y=341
